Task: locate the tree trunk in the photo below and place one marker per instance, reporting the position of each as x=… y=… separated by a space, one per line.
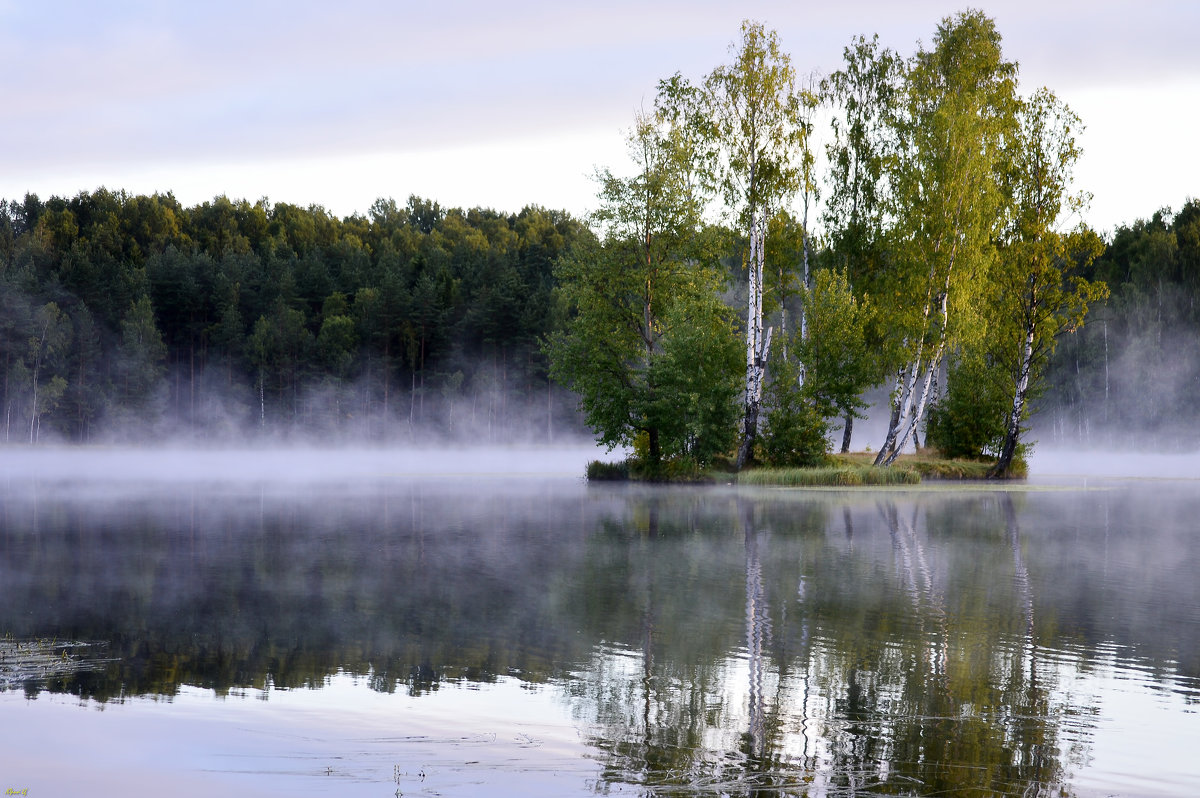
x=847 y=431
x=913 y=410
x=1012 y=432
x=894 y=421
x=918 y=410
x=757 y=344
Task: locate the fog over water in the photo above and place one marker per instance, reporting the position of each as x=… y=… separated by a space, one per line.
x=1049 y=462
x=300 y=465
x=159 y=466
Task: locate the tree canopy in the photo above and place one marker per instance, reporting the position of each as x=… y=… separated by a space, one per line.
x=133 y=317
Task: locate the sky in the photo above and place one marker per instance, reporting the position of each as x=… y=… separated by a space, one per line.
x=508 y=104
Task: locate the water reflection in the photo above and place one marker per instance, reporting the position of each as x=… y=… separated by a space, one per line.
x=702 y=640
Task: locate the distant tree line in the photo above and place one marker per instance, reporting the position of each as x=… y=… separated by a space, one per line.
x=134 y=317
x=1131 y=377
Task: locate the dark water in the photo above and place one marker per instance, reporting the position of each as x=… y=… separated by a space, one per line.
x=376 y=632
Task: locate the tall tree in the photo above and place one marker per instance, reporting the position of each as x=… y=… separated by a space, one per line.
x=958 y=110
x=864 y=96
x=755 y=125
x=1040 y=291
x=48 y=343
x=142 y=354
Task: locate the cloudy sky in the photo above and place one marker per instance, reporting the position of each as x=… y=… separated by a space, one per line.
x=505 y=104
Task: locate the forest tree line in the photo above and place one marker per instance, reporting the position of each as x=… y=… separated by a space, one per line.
x=133 y=317
x=1129 y=378
x=1129 y=373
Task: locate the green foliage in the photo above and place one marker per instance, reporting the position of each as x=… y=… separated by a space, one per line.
x=649 y=347
x=143 y=350
x=1124 y=379
x=165 y=304
x=1040 y=293
x=946 y=197
x=697 y=380
x=838 y=359
x=753 y=125
x=865 y=93
x=683 y=468
x=794 y=430
x=969 y=421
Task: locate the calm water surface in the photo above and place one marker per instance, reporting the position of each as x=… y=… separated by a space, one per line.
x=484 y=624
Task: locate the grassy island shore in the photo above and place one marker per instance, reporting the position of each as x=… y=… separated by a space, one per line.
x=848 y=470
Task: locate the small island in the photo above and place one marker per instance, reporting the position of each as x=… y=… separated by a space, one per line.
x=941 y=269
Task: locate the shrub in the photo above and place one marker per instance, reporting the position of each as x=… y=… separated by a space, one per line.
x=672 y=469
x=969 y=421
x=793 y=434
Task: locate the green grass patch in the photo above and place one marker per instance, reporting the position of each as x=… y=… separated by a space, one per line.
x=845 y=474
x=840 y=470
x=930 y=466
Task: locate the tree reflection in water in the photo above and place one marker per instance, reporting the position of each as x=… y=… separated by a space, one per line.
x=877 y=672
x=702 y=640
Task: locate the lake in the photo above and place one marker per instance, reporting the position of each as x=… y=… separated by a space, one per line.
x=484 y=623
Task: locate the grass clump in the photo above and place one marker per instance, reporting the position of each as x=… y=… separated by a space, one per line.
x=832 y=475
x=675 y=469
x=600 y=471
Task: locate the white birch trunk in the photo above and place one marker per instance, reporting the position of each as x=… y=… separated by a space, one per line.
x=904 y=411
x=894 y=420
x=1013 y=431
x=912 y=409
x=758 y=344
x=918 y=412
x=1018 y=408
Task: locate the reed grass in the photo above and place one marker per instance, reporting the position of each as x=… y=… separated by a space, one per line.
x=834 y=475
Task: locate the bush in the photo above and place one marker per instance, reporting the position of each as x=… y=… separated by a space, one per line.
x=794 y=438
x=673 y=469
x=793 y=434
x=969 y=421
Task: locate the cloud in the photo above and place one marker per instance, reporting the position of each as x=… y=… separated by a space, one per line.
x=121 y=89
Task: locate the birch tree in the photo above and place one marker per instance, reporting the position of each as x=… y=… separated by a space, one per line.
x=863 y=95
x=755 y=127
x=946 y=206
x=807 y=102
x=1039 y=291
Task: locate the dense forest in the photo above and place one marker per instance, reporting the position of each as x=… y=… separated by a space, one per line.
x=140 y=317
x=134 y=318
x=725 y=300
